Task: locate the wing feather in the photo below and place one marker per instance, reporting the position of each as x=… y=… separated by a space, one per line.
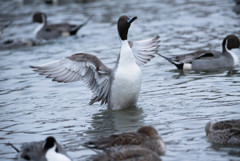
x=80 y=67
x=145 y=50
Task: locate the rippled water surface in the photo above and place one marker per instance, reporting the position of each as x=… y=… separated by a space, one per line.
x=177 y=104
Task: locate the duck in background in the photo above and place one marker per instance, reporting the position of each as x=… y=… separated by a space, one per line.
x=51 y=31
x=145 y=137
x=47 y=150
x=61 y=2
x=209 y=59
x=236 y=8
x=223 y=132
x=118 y=87
x=18 y=42
x=15 y=42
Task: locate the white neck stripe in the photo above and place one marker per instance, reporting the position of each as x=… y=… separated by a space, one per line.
x=234 y=56
x=226 y=46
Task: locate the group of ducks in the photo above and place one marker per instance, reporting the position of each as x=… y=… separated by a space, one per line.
x=143 y=145
x=119 y=88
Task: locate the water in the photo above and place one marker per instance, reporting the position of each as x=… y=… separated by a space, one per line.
x=178 y=105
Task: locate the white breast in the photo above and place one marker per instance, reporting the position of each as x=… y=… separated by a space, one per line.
x=235 y=58
x=52 y=155
x=39 y=27
x=127 y=80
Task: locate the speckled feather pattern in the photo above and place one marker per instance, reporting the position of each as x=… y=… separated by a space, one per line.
x=224 y=132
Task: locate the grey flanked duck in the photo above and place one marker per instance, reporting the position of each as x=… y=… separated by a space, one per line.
x=209 y=59
x=118 y=87
x=128 y=154
x=51 y=31
x=224 y=132
x=145 y=137
x=18 y=42
x=47 y=150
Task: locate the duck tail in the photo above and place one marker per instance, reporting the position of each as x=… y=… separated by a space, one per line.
x=178 y=65
x=75 y=30
x=15 y=148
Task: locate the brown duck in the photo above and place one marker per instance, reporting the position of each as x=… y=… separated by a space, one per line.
x=224 y=132
x=145 y=137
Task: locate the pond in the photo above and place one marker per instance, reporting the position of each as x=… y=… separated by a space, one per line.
x=177 y=104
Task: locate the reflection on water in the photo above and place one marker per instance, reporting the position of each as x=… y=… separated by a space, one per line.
x=230 y=150
x=177 y=104
x=112 y=121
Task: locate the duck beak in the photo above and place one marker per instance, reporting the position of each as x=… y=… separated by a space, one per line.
x=130 y=20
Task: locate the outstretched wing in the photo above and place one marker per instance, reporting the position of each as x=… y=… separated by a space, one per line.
x=81 y=66
x=145 y=50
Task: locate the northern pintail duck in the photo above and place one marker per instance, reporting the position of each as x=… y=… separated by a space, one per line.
x=118 y=87
x=50 y=31
x=145 y=137
x=47 y=150
x=224 y=132
x=18 y=42
x=209 y=59
x=130 y=153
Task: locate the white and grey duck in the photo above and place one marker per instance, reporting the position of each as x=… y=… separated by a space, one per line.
x=51 y=31
x=209 y=59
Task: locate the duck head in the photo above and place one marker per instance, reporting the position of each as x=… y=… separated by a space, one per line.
x=124 y=22
x=39 y=17
x=49 y=143
x=149 y=131
x=230 y=42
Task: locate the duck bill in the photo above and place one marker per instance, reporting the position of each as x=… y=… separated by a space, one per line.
x=130 y=20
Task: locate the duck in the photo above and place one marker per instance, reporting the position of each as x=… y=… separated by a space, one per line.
x=145 y=137
x=209 y=59
x=130 y=153
x=118 y=87
x=223 y=132
x=13 y=43
x=236 y=8
x=51 y=31
x=47 y=150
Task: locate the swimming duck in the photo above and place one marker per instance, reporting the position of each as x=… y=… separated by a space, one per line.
x=18 y=42
x=52 y=31
x=236 y=8
x=224 y=132
x=47 y=150
x=209 y=59
x=118 y=87
x=145 y=137
x=129 y=153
